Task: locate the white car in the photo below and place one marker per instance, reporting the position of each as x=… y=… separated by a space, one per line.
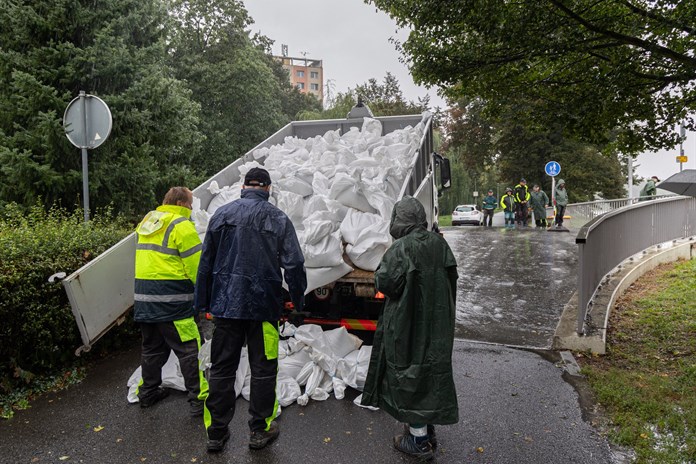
x=466 y=214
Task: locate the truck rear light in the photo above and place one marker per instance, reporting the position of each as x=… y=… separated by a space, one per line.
x=379 y=296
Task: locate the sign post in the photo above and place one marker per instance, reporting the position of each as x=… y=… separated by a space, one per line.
x=682 y=158
x=87 y=122
x=553 y=169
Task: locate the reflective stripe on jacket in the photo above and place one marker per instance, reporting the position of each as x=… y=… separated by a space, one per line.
x=507 y=202
x=166 y=264
x=521 y=193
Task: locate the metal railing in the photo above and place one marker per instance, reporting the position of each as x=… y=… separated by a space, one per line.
x=591 y=209
x=609 y=239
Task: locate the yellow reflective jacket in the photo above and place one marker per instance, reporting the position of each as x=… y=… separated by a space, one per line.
x=166 y=264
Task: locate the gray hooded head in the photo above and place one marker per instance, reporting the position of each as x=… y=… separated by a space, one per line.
x=408 y=215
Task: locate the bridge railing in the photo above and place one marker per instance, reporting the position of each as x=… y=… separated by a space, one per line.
x=610 y=238
x=587 y=211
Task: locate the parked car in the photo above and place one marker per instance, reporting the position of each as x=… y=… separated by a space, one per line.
x=466 y=214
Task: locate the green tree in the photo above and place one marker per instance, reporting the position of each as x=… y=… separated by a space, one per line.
x=612 y=70
x=383 y=98
x=49 y=50
x=500 y=151
x=244 y=94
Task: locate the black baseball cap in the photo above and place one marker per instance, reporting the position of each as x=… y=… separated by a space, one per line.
x=257 y=177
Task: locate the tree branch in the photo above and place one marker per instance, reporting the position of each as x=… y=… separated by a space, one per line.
x=657 y=49
x=662 y=19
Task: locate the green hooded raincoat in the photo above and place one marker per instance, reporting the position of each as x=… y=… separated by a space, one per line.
x=410 y=374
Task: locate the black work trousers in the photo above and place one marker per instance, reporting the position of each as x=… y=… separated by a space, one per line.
x=560 y=212
x=488 y=217
x=262 y=344
x=182 y=337
x=521 y=213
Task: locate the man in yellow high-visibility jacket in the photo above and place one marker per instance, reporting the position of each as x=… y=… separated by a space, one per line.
x=166 y=264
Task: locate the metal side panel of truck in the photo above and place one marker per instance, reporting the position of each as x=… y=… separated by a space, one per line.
x=101 y=292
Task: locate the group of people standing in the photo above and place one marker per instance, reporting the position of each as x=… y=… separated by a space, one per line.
x=235 y=275
x=517 y=204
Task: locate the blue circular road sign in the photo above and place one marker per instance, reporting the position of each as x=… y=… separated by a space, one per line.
x=552 y=168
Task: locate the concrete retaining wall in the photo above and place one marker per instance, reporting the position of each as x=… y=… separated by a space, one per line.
x=566 y=337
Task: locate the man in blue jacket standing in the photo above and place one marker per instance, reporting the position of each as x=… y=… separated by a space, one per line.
x=240 y=283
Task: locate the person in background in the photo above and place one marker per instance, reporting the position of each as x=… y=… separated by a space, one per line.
x=538 y=201
x=246 y=245
x=649 y=190
x=410 y=374
x=522 y=203
x=167 y=253
x=490 y=202
x=560 y=201
x=507 y=202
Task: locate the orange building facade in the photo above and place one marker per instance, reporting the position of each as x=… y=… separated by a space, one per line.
x=306 y=74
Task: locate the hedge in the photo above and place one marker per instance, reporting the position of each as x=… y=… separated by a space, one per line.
x=38 y=334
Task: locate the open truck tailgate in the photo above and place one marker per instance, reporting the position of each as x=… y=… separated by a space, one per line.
x=101 y=292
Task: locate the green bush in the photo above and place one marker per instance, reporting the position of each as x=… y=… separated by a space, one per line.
x=38 y=334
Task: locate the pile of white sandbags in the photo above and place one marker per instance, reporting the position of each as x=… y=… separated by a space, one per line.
x=312 y=364
x=338 y=191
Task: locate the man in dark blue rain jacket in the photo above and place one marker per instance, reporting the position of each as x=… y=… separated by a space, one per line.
x=239 y=282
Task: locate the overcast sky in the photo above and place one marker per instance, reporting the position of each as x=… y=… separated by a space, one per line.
x=352 y=39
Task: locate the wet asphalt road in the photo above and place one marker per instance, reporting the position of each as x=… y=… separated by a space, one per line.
x=513 y=283
x=515 y=407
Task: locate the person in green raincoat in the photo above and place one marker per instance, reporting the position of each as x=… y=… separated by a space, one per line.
x=560 y=201
x=538 y=201
x=410 y=374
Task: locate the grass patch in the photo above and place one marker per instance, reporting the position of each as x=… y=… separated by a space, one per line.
x=444 y=221
x=647 y=380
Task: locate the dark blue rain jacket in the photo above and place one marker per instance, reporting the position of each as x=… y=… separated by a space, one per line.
x=247 y=243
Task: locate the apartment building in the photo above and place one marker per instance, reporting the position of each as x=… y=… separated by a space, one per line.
x=306 y=74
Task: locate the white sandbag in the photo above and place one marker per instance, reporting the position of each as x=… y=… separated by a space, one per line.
x=371 y=129
x=348 y=191
x=321 y=184
x=320 y=394
x=295 y=185
x=295 y=345
x=339 y=388
x=314 y=204
x=352 y=368
x=242 y=379
x=287 y=389
x=379 y=200
x=341 y=342
x=327 y=252
x=291 y=204
x=355 y=222
x=204 y=356
x=223 y=195
x=363 y=365
x=357 y=401
x=171 y=378
x=306 y=371
x=287 y=329
x=370 y=246
x=315 y=379
x=293 y=364
x=320 y=276
x=317 y=227
x=312 y=335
